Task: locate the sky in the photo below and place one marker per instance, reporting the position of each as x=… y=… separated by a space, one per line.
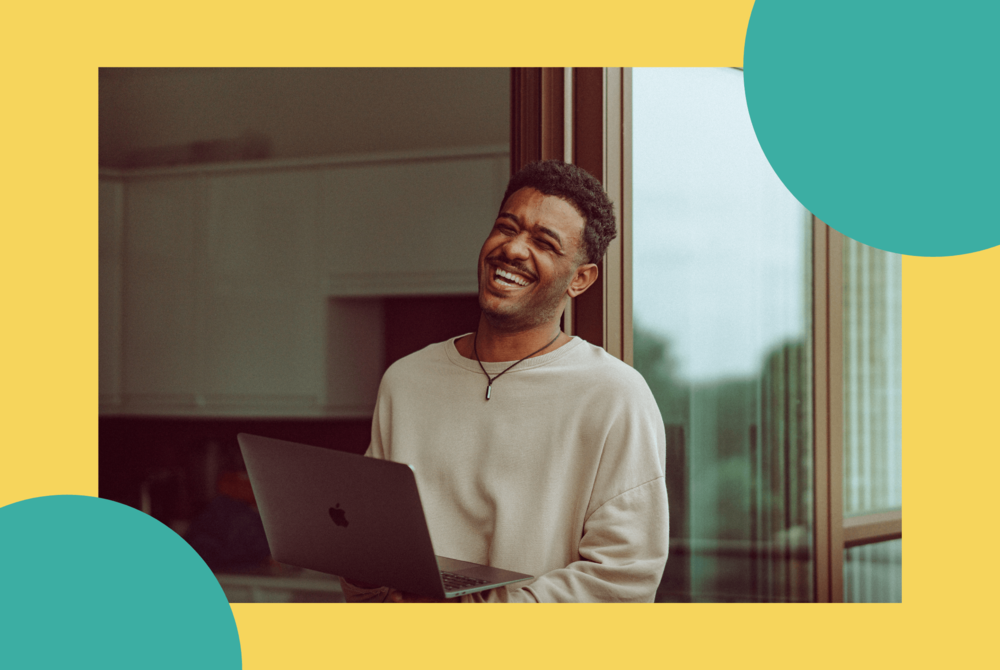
x=720 y=248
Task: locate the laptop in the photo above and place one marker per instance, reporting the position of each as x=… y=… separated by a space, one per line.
x=355 y=517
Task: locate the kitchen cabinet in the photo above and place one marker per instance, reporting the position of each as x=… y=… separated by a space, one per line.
x=252 y=289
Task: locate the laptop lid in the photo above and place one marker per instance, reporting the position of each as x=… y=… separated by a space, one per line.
x=351 y=516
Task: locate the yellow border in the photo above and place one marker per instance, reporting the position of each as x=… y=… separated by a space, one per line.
x=49 y=394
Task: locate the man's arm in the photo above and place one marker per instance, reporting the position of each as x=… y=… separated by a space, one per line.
x=623 y=552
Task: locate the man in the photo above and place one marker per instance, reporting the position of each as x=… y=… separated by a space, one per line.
x=533 y=451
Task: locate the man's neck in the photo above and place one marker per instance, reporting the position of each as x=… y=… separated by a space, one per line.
x=494 y=345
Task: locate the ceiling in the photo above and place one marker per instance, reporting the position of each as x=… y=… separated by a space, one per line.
x=149 y=113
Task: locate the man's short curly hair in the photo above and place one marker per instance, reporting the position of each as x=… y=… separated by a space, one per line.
x=580 y=189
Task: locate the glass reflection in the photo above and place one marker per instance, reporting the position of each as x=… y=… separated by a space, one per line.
x=873 y=380
x=721 y=275
x=873 y=573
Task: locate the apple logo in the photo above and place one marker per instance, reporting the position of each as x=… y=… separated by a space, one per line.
x=338 y=516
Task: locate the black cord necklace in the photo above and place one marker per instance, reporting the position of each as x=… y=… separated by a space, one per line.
x=489 y=387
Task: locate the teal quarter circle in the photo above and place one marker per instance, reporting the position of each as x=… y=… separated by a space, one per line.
x=881 y=117
x=90 y=583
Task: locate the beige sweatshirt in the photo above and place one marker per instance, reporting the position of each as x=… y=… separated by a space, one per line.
x=559 y=475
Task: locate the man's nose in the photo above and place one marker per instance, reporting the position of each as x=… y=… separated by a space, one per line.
x=516 y=247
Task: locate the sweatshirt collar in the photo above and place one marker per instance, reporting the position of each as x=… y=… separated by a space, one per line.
x=498 y=366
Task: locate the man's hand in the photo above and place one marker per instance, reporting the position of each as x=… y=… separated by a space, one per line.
x=362 y=585
x=396 y=596
x=401 y=597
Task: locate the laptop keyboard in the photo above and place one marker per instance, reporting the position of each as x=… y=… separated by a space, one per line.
x=456 y=582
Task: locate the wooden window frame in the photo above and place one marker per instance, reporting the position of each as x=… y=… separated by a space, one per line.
x=584 y=116
x=833 y=532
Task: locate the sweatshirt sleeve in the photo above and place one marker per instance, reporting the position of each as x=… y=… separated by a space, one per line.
x=623 y=552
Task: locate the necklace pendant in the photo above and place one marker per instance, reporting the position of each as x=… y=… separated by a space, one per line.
x=489 y=387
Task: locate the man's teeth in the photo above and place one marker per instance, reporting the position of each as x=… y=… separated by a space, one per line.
x=512 y=277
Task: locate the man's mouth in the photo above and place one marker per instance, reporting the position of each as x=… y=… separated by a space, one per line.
x=509 y=278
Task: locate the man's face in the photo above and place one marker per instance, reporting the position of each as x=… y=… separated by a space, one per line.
x=529 y=260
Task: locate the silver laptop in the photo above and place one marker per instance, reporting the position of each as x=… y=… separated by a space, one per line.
x=354 y=517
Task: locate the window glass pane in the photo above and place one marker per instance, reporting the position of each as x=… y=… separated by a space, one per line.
x=722 y=323
x=873 y=423
x=873 y=573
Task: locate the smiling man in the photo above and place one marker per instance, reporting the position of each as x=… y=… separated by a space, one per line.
x=534 y=451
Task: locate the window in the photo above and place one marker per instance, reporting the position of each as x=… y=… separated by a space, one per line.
x=721 y=315
x=872 y=416
x=755 y=324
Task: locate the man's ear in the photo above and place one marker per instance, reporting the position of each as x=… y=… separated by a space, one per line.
x=585 y=276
